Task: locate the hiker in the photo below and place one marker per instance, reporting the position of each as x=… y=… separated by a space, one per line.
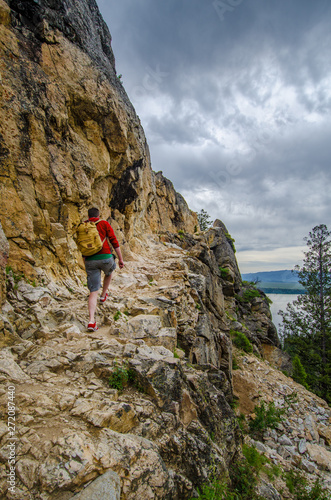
x=101 y=261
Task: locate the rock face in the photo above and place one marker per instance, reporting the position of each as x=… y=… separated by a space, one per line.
x=163 y=430
x=302 y=439
x=70 y=138
x=165 y=426
x=4 y=250
x=143 y=407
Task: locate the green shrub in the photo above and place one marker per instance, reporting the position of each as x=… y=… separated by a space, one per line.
x=243 y=479
x=254 y=458
x=224 y=272
x=235 y=365
x=117 y=315
x=241 y=341
x=214 y=490
x=291 y=398
x=120 y=377
x=241 y=419
x=17 y=277
x=298 y=486
x=265 y=417
x=273 y=471
x=250 y=294
x=299 y=373
x=259 y=462
x=234 y=403
x=231 y=241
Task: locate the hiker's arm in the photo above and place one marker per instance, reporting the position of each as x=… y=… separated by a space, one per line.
x=120 y=258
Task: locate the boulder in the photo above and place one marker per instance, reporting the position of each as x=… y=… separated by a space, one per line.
x=268 y=492
x=302 y=446
x=325 y=432
x=311 y=427
x=105 y=487
x=320 y=456
x=10 y=368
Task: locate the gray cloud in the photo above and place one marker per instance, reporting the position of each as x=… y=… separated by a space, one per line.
x=236 y=111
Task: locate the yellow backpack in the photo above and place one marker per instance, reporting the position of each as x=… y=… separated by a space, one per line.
x=88 y=238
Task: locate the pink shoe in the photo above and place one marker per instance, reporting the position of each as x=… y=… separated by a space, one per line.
x=92 y=327
x=103 y=299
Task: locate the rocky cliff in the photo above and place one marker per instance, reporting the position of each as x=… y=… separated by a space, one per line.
x=70 y=138
x=144 y=407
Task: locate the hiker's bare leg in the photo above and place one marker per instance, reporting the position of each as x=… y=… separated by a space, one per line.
x=92 y=305
x=106 y=283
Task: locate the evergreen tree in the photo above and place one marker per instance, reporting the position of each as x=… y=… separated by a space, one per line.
x=306 y=329
x=203 y=219
x=299 y=373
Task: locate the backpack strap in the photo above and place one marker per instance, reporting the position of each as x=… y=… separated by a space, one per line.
x=96 y=223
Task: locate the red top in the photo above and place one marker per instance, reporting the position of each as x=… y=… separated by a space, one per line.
x=105 y=229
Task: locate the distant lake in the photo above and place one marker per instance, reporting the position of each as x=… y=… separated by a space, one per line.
x=279 y=301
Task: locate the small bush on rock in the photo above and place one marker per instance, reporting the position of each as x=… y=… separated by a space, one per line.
x=265 y=417
x=120 y=377
x=298 y=486
x=224 y=272
x=241 y=341
x=243 y=479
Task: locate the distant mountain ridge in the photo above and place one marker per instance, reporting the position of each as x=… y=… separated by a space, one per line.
x=283 y=282
x=285 y=276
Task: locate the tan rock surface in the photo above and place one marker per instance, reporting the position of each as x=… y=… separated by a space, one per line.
x=73 y=427
x=164 y=418
x=296 y=442
x=70 y=139
x=320 y=455
x=4 y=251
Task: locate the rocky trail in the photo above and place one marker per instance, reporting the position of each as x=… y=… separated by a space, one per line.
x=145 y=406
x=71 y=425
x=162 y=421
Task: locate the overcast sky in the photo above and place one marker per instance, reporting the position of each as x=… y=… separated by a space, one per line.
x=234 y=97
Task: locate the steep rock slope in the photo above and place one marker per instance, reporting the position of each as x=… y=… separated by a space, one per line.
x=167 y=324
x=165 y=423
x=301 y=441
x=170 y=428
x=70 y=138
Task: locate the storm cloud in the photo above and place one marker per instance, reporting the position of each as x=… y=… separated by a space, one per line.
x=234 y=97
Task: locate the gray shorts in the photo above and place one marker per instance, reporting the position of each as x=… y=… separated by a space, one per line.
x=93 y=270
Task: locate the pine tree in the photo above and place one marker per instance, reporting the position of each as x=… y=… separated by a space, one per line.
x=306 y=329
x=203 y=219
x=299 y=373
